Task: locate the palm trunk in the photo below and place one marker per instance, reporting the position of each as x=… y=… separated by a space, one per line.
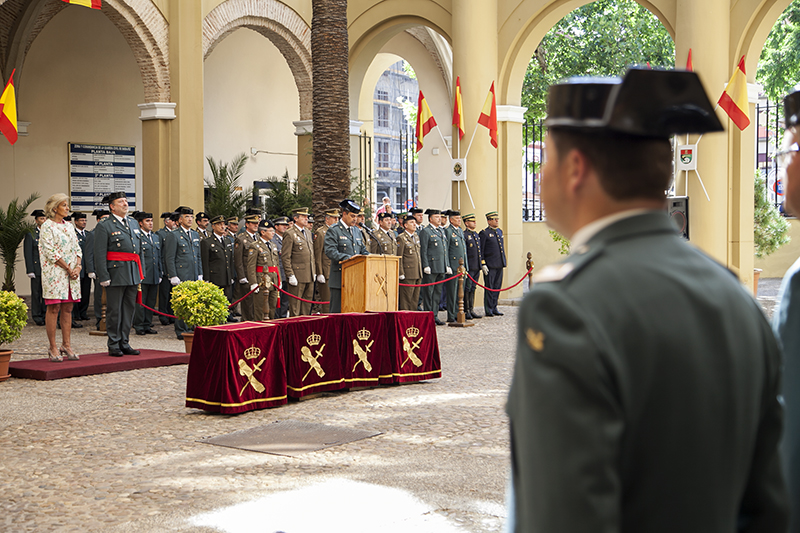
x=331 y=112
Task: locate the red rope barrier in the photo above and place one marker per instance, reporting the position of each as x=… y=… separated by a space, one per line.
x=138 y=299
x=301 y=299
x=428 y=284
x=500 y=290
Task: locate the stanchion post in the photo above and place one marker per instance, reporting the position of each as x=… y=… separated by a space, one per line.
x=101 y=326
x=529 y=264
x=461 y=318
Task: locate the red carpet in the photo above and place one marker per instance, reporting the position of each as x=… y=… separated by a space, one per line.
x=95 y=363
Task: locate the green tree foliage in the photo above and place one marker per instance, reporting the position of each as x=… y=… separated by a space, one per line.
x=283 y=196
x=603 y=38
x=13 y=227
x=779 y=65
x=223 y=196
x=770 y=229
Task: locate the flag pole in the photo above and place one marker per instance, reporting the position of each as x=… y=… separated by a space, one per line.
x=472 y=139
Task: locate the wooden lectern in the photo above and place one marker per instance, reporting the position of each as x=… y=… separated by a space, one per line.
x=370 y=283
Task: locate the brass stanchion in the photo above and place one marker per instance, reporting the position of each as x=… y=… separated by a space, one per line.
x=529 y=264
x=461 y=318
x=101 y=327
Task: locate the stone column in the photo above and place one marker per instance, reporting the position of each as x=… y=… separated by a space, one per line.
x=509 y=121
x=156 y=119
x=305 y=149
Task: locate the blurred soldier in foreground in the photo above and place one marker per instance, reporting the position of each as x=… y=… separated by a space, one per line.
x=645 y=389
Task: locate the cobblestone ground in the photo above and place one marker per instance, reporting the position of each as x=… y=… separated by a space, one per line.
x=120 y=452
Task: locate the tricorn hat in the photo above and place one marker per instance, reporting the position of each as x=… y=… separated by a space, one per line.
x=77 y=216
x=430 y=212
x=350 y=206
x=791 y=108
x=415 y=210
x=201 y=215
x=37 y=213
x=183 y=210
x=142 y=215
x=166 y=214
x=114 y=196
x=100 y=213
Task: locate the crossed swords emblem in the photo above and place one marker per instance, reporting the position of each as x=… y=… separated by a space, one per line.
x=245 y=370
x=381 y=285
x=312 y=361
x=362 y=355
x=409 y=348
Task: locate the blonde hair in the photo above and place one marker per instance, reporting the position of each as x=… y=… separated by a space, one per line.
x=52 y=204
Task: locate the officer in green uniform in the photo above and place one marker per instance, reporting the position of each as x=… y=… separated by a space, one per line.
x=99 y=216
x=262 y=272
x=151 y=268
x=410 y=267
x=342 y=241
x=165 y=287
x=323 y=261
x=645 y=388
x=182 y=257
x=33 y=267
x=242 y=240
x=433 y=252
x=456 y=249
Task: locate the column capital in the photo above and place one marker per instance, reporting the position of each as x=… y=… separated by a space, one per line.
x=511 y=113
x=157 y=111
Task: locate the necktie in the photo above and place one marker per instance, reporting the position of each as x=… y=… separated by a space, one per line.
x=354 y=231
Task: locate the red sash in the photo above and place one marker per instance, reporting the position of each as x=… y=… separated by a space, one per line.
x=129 y=256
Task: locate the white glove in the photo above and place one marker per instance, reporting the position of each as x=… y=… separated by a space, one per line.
x=243 y=281
x=293 y=281
x=31 y=275
x=449 y=270
x=159 y=279
x=485 y=270
x=427 y=270
x=92 y=275
x=254 y=286
x=200 y=277
x=174 y=280
x=320 y=278
x=105 y=283
x=402 y=278
x=232 y=282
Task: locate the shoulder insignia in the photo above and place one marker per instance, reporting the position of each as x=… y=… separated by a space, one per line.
x=535 y=339
x=555 y=272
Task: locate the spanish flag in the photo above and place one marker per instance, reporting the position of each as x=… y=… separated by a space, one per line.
x=734 y=98
x=488 y=116
x=689 y=65
x=94 y=4
x=8 y=111
x=425 y=120
x=458 y=110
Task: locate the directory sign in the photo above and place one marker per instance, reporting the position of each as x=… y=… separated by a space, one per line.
x=96 y=170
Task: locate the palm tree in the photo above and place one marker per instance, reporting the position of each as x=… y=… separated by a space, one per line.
x=223 y=198
x=331 y=112
x=13 y=228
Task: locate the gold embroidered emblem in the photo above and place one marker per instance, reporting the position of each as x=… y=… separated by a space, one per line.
x=362 y=335
x=535 y=340
x=312 y=340
x=409 y=347
x=249 y=373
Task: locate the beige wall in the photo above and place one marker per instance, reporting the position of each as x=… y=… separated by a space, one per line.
x=80 y=83
x=250 y=101
x=776 y=265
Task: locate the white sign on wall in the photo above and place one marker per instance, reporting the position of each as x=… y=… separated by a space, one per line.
x=96 y=170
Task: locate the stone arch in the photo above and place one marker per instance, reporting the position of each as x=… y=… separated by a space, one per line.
x=526 y=26
x=139 y=21
x=278 y=23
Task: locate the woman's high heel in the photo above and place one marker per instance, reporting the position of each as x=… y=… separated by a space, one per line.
x=71 y=356
x=54 y=357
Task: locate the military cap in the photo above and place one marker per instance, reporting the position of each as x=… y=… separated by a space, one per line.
x=174 y=216
x=492 y=214
x=100 y=213
x=791 y=108
x=78 y=216
x=350 y=206
x=454 y=213
x=166 y=214
x=332 y=213
x=232 y=220
x=281 y=220
x=252 y=218
x=645 y=103
x=300 y=211
x=217 y=219
x=201 y=215
x=114 y=196
x=467 y=218
x=142 y=215
x=430 y=212
x=183 y=210
x=265 y=224
x=415 y=210
x=381 y=216
x=252 y=211
x=134 y=214
x=37 y=213
x=409 y=218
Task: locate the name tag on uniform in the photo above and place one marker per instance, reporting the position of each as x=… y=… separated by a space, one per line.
x=343 y=237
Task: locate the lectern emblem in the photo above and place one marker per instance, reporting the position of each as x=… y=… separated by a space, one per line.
x=362 y=335
x=313 y=340
x=410 y=346
x=249 y=373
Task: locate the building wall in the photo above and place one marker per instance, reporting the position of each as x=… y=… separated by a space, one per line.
x=776 y=265
x=251 y=100
x=80 y=84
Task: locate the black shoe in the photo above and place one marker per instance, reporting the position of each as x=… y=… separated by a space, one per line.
x=38 y=323
x=171 y=320
x=84 y=318
x=151 y=331
x=475 y=315
x=76 y=324
x=115 y=353
x=467 y=315
x=234 y=319
x=451 y=321
x=488 y=314
x=438 y=322
x=497 y=313
x=180 y=337
x=127 y=350
x=142 y=332
x=164 y=322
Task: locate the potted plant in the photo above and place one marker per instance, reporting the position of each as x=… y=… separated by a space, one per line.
x=13 y=227
x=13 y=316
x=770 y=228
x=199 y=303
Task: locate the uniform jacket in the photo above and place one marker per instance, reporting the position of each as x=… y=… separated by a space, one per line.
x=88 y=253
x=277 y=240
x=456 y=248
x=265 y=255
x=217 y=259
x=30 y=248
x=162 y=234
x=151 y=258
x=365 y=236
x=645 y=393
x=240 y=244
x=82 y=244
x=297 y=255
x=474 y=256
x=493 y=248
x=383 y=243
x=111 y=235
x=433 y=246
x=341 y=244
x=323 y=262
x=408 y=249
x=182 y=251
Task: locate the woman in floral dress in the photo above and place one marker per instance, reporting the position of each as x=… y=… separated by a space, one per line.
x=61 y=270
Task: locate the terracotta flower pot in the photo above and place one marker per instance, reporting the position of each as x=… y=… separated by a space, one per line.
x=188 y=338
x=5 y=357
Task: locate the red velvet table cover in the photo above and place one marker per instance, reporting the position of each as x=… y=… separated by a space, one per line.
x=236 y=367
x=414 y=346
x=364 y=347
x=311 y=347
